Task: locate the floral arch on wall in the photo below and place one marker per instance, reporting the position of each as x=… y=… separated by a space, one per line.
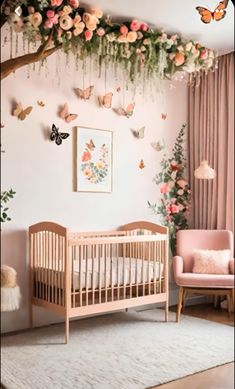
x=142 y=52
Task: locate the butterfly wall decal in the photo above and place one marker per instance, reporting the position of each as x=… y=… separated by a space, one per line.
x=218 y=14
x=128 y=112
x=106 y=100
x=84 y=94
x=158 y=145
x=21 y=113
x=57 y=136
x=139 y=133
x=141 y=164
x=65 y=115
x=41 y=103
x=164 y=116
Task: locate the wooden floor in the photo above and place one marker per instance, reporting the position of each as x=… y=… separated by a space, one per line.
x=221 y=377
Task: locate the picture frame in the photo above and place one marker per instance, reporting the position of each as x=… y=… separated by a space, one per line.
x=94 y=160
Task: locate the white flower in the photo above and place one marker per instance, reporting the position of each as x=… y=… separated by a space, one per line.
x=111 y=37
x=188 y=46
x=173 y=175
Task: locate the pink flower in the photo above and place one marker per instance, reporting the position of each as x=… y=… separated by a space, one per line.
x=164 y=188
x=180 y=192
x=174 y=166
x=56 y=3
x=144 y=27
x=174 y=37
x=50 y=13
x=74 y=3
x=35 y=19
x=123 y=29
x=179 y=59
x=182 y=183
x=174 y=208
x=204 y=54
x=167 y=218
x=49 y=23
x=100 y=31
x=96 y=12
x=135 y=25
x=88 y=35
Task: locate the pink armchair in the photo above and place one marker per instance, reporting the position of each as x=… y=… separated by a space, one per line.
x=194 y=283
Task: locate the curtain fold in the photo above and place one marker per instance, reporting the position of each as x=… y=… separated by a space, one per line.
x=211 y=138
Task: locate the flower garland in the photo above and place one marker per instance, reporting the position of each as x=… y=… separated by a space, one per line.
x=140 y=49
x=94 y=172
x=175 y=191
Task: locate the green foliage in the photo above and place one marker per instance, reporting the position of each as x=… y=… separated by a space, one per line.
x=6 y=196
x=175 y=191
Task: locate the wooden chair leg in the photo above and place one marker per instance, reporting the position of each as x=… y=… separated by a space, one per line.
x=183 y=299
x=181 y=291
x=66 y=329
x=229 y=303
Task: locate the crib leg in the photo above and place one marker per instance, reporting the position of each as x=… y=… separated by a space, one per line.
x=166 y=310
x=126 y=309
x=67 y=329
x=30 y=315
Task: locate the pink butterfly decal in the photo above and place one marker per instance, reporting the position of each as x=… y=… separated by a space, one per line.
x=106 y=100
x=128 y=112
x=164 y=116
x=84 y=94
x=66 y=115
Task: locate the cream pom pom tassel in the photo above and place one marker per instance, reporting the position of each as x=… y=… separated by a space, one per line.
x=10 y=291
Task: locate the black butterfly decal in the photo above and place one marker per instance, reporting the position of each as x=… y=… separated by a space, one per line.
x=57 y=136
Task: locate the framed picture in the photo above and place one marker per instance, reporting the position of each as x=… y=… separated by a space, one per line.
x=94 y=149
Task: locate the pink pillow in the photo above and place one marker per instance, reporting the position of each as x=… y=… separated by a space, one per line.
x=211 y=261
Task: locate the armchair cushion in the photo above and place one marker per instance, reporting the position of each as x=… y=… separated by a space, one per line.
x=211 y=261
x=231 y=266
x=205 y=280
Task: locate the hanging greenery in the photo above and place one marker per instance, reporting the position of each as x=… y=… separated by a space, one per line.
x=139 y=49
x=6 y=196
x=175 y=191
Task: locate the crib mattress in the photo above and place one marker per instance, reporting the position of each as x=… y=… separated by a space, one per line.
x=117 y=271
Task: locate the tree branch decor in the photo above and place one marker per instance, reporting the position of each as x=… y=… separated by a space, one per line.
x=143 y=52
x=175 y=191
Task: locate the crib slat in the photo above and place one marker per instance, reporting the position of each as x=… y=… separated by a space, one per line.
x=143 y=268
x=118 y=268
x=105 y=272
x=154 y=267
x=130 y=269
x=80 y=273
x=99 y=271
x=86 y=256
x=93 y=274
x=124 y=281
x=149 y=252
x=111 y=271
x=137 y=267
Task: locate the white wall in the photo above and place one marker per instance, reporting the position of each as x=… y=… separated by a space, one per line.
x=41 y=172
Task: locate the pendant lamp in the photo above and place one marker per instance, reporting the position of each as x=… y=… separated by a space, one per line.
x=204 y=172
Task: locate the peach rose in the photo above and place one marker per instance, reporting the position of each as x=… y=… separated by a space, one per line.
x=135 y=25
x=88 y=35
x=96 y=12
x=123 y=29
x=180 y=192
x=79 y=27
x=122 y=39
x=182 y=183
x=131 y=36
x=76 y=20
x=179 y=59
x=35 y=19
x=66 y=22
x=56 y=3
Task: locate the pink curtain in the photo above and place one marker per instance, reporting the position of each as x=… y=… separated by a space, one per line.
x=211 y=138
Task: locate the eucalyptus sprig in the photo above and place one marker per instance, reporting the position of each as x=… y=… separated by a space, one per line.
x=6 y=196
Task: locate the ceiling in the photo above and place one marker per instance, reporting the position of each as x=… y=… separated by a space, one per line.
x=176 y=17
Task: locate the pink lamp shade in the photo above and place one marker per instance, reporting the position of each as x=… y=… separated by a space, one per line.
x=204 y=172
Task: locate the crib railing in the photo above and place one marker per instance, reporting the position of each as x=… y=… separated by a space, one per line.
x=116 y=268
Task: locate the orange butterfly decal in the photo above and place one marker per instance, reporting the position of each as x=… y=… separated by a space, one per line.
x=41 y=103
x=20 y=112
x=128 y=112
x=141 y=165
x=64 y=114
x=84 y=94
x=218 y=14
x=164 y=116
x=90 y=145
x=106 y=100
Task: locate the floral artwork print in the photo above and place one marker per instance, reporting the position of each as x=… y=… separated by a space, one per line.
x=94 y=172
x=94 y=160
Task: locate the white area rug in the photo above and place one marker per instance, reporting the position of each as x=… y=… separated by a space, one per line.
x=134 y=350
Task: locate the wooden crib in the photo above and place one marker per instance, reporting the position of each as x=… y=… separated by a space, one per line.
x=77 y=274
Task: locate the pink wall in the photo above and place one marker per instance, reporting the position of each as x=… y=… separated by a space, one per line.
x=42 y=173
